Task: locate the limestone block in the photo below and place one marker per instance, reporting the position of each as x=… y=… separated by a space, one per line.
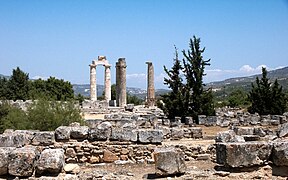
x=62 y=133
x=4 y=159
x=196 y=132
x=169 y=161
x=43 y=138
x=283 y=130
x=189 y=121
x=124 y=134
x=202 y=119
x=93 y=123
x=177 y=133
x=283 y=119
x=280 y=153
x=150 y=135
x=243 y=154
x=102 y=132
x=16 y=139
x=79 y=132
x=244 y=131
x=211 y=121
x=259 y=131
x=50 y=161
x=21 y=161
x=228 y=136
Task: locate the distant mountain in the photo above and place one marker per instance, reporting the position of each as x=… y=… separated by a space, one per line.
x=3 y=76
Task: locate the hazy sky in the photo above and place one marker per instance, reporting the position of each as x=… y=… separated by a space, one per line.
x=61 y=38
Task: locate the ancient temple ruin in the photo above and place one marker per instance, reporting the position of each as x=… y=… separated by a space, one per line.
x=93 y=83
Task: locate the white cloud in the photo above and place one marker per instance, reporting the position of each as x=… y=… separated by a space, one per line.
x=246 y=68
x=40 y=77
x=136 y=76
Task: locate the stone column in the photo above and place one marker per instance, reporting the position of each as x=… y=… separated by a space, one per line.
x=93 y=85
x=121 y=82
x=150 y=85
x=107 y=83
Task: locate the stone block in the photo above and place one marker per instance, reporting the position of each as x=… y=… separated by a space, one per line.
x=228 y=136
x=124 y=134
x=189 y=121
x=243 y=154
x=79 y=132
x=177 y=133
x=43 y=138
x=280 y=153
x=211 y=121
x=21 y=161
x=51 y=161
x=283 y=130
x=196 y=132
x=150 y=136
x=93 y=123
x=169 y=161
x=202 y=119
x=4 y=159
x=109 y=157
x=244 y=131
x=62 y=133
x=16 y=138
x=102 y=132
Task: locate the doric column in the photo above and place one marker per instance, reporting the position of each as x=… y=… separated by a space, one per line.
x=150 y=85
x=107 y=83
x=121 y=82
x=93 y=85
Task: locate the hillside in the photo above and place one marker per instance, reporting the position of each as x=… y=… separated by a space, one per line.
x=223 y=88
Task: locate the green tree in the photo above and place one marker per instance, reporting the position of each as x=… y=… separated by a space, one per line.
x=133 y=100
x=3 y=88
x=174 y=100
x=237 y=98
x=267 y=98
x=189 y=98
x=198 y=100
x=18 y=85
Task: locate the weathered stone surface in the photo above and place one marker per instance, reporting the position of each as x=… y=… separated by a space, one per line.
x=243 y=154
x=202 y=119
x=62 y=133
x=93 y=123
x=108 y=156
x=259 y=131
x=150 y=135
x=196 y=132
x=244 y=131
x=50 y=161
x=280 y=153
x=18 y=138
x=283 y=130
x=228 y=136
x=4 y=159
x=211 y=121
x=189 y=121
x=102 y=132
x=124 y=134
x=43 y=138
x=21 y=161
x=177 y=133
x=79 y=132
x=71 y=168
x=169 y=161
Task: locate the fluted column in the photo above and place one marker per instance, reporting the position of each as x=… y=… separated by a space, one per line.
x=107 y=83
x=121 y=82
x=150 y=85
x=93 y=85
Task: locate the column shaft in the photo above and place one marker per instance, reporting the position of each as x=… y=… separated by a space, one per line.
x=107 y=83
x=93 y=85
x=150 y=85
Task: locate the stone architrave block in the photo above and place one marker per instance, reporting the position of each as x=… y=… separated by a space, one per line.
x=150 y=136
x=43 y=138
x=102 y=132
x=62 y=133
x=169 y=161
x=4 y=159
x=50 y=161
x=79 y=132
x=124 y=134
x=283 y=130
x=21 y=161
x=243 y=154
x=280 y=153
